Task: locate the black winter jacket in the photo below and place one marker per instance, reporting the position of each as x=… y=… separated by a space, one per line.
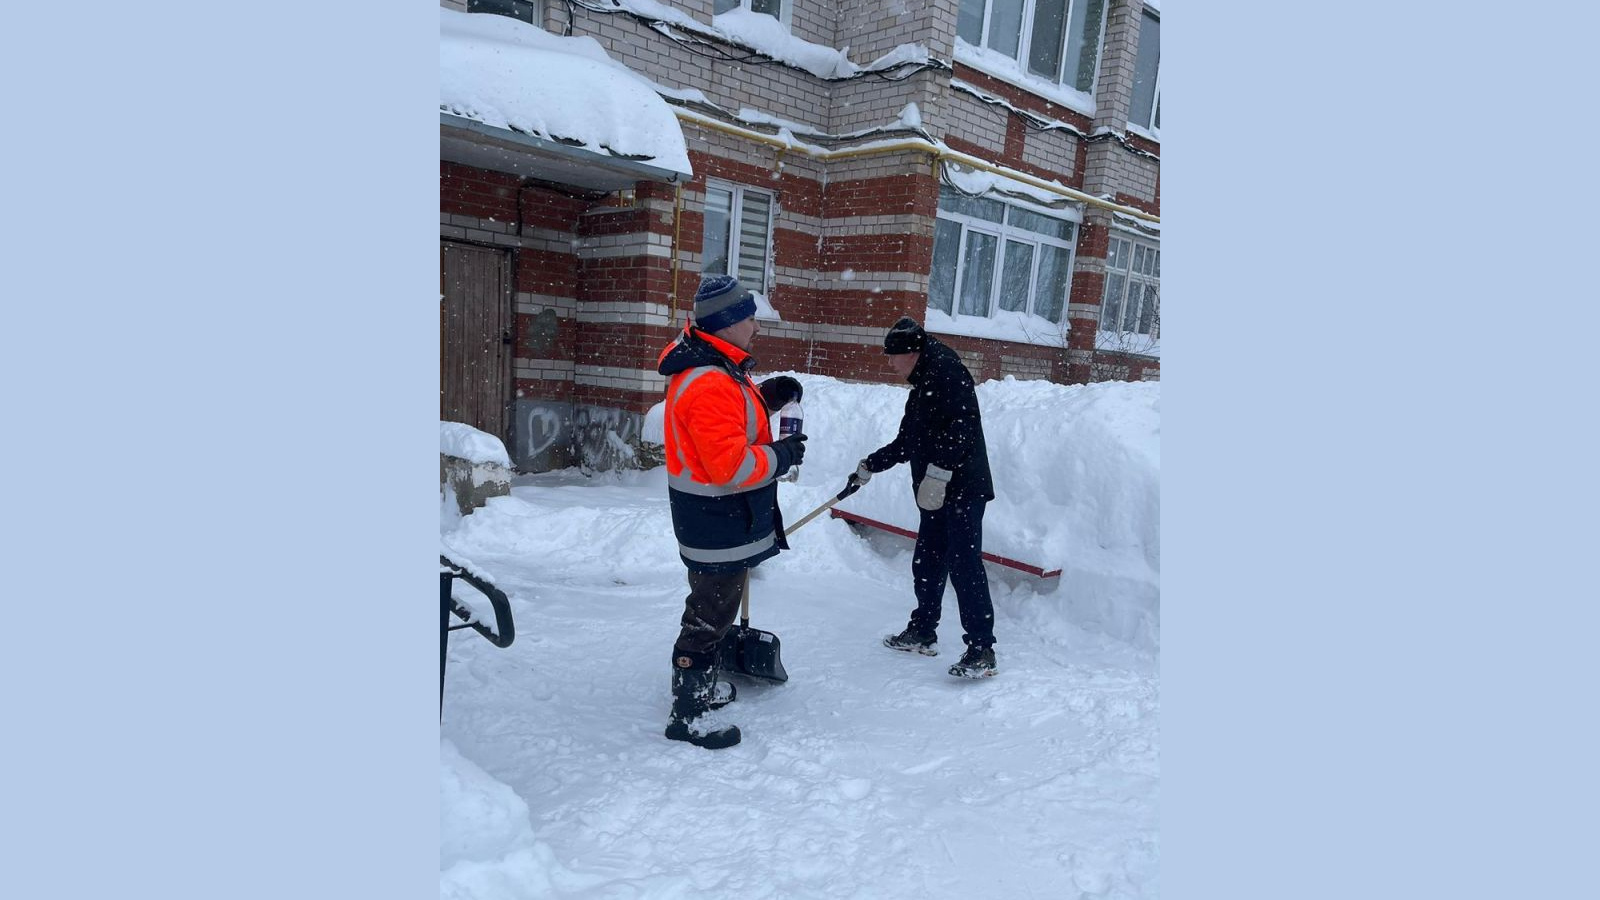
x=941 y=426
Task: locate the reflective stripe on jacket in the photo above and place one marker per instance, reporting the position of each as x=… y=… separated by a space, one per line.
x=720 y=467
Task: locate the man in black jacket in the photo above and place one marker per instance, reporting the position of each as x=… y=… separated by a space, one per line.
x=941 y=435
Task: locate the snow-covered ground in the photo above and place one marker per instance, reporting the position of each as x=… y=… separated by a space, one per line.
x=870 y=773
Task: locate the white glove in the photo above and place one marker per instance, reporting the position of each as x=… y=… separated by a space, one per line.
x=930 y=494
x=863 y=474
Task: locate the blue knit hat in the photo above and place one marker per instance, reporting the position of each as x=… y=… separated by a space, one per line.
x=721 y=301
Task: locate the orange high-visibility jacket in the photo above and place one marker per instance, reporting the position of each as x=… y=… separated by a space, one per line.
x=720 y=463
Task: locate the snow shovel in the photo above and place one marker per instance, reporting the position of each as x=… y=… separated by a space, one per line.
x=751 y=651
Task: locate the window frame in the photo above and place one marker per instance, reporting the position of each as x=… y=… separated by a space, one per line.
x=736 y=194
x=537 y=5
x=1004 y=233
x=1025 y=41
x=1148 y=127
x=785 y=10
x=1130 y=278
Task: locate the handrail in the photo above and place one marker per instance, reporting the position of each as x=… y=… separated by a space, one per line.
x=504 y=631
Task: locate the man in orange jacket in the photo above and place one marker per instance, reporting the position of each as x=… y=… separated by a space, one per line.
x=721 y=468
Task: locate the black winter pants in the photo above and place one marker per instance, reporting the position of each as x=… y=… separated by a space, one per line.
x=709 y=610
x=950 y=545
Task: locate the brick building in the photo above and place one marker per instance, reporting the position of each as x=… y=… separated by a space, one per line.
x=988 y=167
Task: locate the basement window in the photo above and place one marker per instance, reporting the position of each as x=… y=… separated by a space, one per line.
x=774 y=8
x=521 y=10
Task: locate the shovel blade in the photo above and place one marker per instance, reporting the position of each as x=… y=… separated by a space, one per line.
x=753 y=652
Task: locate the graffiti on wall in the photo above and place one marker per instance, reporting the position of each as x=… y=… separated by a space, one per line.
x=553 y=435
x=609 y=439
x=541 y=438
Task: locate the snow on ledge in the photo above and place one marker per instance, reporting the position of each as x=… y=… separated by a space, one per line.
x=978 y=182
x=1011 y=72
x=1016 y=327
x=465 y=442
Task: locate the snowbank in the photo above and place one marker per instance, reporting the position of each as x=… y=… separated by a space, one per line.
x=1077 y=473
x=486 y=846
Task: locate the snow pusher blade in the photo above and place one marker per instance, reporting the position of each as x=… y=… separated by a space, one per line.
x=751 y=651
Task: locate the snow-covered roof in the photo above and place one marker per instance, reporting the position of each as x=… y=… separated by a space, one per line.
x=510 y=75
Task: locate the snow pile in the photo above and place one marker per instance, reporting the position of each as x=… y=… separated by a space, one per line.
x=770 y=36
x=1077 y=475
x=465 y=442
x=486 y=846
x=509 y=74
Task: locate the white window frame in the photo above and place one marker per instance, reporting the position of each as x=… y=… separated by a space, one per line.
x=1025 y=40
x=1148 y=127
x=1003 y=231
x=1130 y=278
x=735 y=247
x=785 y=9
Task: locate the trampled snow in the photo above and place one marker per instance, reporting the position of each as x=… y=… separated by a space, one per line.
x=870 y=773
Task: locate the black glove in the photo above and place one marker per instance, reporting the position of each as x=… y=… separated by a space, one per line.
x=779 y=391
x=791 y=450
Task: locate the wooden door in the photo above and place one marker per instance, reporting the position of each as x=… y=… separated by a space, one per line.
x=475 y=337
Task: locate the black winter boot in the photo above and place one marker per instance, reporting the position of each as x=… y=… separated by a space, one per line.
x=722 y=692
x=692 y=692
x=975 y=663
x=914 y=641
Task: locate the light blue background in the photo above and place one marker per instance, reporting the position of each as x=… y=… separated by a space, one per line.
x=221 y=348
x=219 y=355
x=1377 y=474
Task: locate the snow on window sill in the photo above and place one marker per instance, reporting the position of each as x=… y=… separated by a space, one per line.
x=1010 y=71
x=1015 y=327
x=1144 y=133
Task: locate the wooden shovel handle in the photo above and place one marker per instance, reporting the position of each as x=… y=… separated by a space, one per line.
x=744 y=601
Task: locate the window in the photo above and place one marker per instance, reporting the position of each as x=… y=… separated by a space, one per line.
x=1146 y=109
x=773 y=8
x=524 y=10
x=1131 y=303
x=737 y=249
x=990 y=255
x=1054 y=39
